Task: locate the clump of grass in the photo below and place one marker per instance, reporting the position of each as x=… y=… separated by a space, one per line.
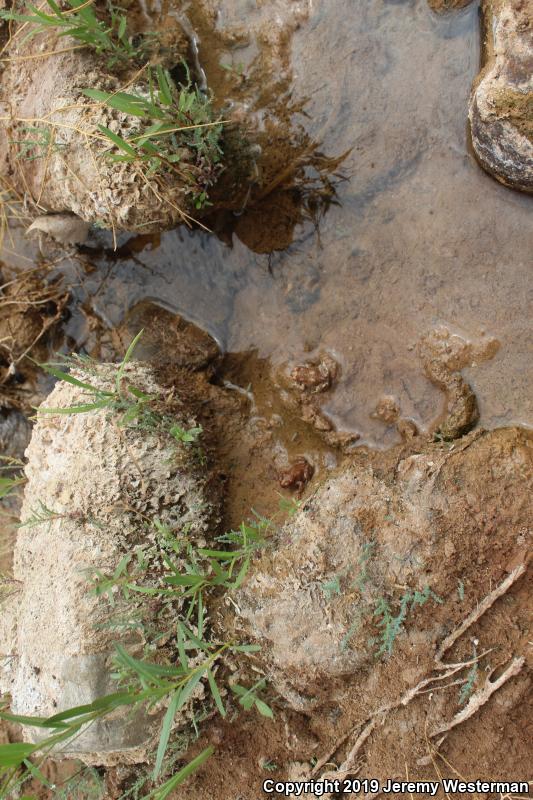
x=183 y=134
x=108 y=37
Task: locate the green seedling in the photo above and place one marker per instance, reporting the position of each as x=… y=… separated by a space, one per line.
x=185 y=436
x=391 y=624
x=249 y=698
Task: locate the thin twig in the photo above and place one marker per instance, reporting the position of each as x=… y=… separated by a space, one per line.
x=482 y=607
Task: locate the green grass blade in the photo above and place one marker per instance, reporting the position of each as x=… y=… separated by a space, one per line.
x=122 y=28
x=87 y=13
x=264 y=709
x=81 y=409
x=127 y=103
x=36 y=722
x=55 y=8
x=108 y=701
x=65 y=376
x=163 y=791
x=181 y=648
x=146 y=668
x=11 y=755
x=165 y=92
x=126 y=359
x=189 y=687
x=166 y=729
x=185 y=580
x=215 y=692
x=118 y=141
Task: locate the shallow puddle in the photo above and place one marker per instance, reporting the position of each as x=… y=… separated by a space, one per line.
x=418 y=236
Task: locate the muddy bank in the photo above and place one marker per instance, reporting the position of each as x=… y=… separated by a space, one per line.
x=370 y=536
x=369 y=578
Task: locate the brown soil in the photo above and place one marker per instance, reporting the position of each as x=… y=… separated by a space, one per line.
x=32 y=308
x=486 y=497
x=481 y=515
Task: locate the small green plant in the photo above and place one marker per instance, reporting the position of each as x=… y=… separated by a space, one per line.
x=270 y=766
x=130 y=403
x=332 y=587
x=391 y=623
x=249 y=698
x=289 y=505
x=461 y=591
x=8 y=485
x=39 y=515
x=39 y=141
x=182 y=133
x=186 y=436
x=80 y=21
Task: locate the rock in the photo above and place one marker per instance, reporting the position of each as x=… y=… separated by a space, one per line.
x=443 y=355
x=168 y=337
x=64 y=228
x=90 y=486
x=32 y=307
x=366 y=537
x=68 y=168
x=501 y=105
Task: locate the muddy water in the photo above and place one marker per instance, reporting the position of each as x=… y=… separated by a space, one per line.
x=419 y=235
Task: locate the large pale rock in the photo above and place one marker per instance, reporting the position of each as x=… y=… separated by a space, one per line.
x=95 y=485
x=501 y=105
x=428 y=523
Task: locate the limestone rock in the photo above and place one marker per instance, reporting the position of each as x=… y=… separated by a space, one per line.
x=91 y=485
x=501 y=105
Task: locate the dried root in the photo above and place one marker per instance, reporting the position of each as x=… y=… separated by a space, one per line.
x=480 y=697
x=431 y=684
